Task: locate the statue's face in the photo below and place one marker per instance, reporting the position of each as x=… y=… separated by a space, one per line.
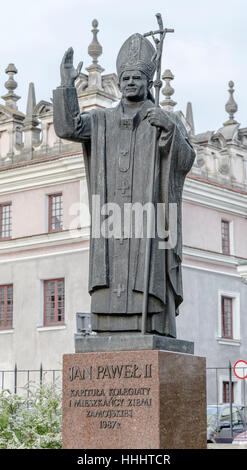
x=134 y=85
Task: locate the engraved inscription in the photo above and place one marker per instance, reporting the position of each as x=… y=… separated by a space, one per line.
x=80 y=373
x=126 y=371
x=110 y=404
x=111 y=372
x=109 y=424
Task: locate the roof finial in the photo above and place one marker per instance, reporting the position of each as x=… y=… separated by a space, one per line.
x=10 y=98
x=168 y=104
x=30 y=130
x=189 y=117
x=31 y=103
x=95 y=49
x=231 y=106
x=95 y=70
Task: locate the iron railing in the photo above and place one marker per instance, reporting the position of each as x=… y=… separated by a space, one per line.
x=237 y=390
x=21 y=380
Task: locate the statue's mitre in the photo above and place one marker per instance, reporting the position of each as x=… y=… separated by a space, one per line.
x=137 y=53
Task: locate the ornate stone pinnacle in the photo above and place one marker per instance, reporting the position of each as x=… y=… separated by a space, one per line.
x=31 y=103
x=190 y=118
x=168 y=91
x=10 y=98
x=95 y=49
x=231 y=106
x=11 y=84
x=95 y=70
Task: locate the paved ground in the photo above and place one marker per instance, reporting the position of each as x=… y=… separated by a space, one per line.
x=227 y=446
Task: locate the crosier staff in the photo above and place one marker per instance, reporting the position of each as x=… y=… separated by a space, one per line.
x=157 y=86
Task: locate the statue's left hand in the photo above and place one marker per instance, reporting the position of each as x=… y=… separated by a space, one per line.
x=159 y=118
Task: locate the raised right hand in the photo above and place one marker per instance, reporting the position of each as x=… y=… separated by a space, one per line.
x=67 y=71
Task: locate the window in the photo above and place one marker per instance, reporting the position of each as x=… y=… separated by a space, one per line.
x=6 y=306
x=55 y=213
x=226 y=392
x=5 y=221
x=226 y=314
x=225 y=237
x=54 y=302
x=229 y=318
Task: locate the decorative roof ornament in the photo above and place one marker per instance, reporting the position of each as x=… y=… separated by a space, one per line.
x=31 y=103
x=30 y=130
x=95 y=70
x=168 y=104
x=190 y=118
x=231 y=106
x=95 y=49
x=11 y=98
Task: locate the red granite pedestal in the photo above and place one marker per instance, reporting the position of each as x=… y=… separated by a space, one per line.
x=147 y=399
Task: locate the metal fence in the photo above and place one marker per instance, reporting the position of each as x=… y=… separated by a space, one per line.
x=21 y=381
x=227 y=385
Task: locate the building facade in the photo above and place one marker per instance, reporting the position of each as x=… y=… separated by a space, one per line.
x=44 y=232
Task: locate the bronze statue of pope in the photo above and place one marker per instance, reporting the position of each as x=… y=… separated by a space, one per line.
x=117 y=146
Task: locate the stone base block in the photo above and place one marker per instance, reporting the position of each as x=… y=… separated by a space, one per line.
x=130 y=342
x=148 y=399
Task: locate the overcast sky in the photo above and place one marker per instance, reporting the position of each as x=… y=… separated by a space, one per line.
x=207 y=49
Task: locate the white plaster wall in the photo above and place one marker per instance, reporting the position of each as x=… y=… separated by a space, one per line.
x=30 y=208
x=29 y=343
x=202 y=229
x=4 y=143
x=52 y=137
x=238 y=168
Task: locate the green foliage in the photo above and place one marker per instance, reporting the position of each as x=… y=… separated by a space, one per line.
x=33 y=422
